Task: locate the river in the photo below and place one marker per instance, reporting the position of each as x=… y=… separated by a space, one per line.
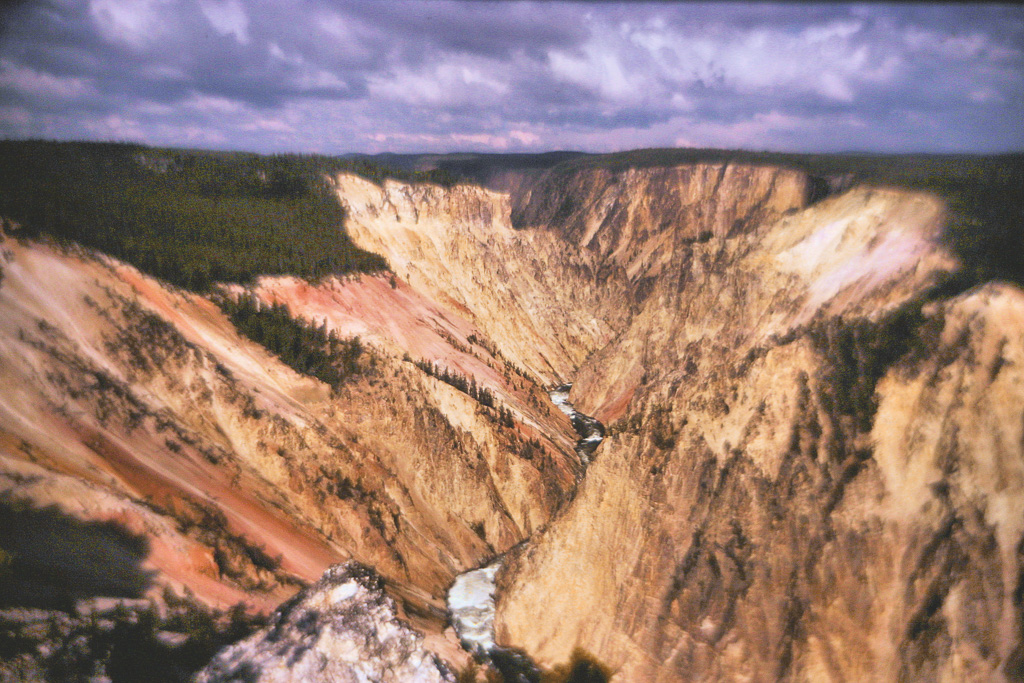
x=471 y=596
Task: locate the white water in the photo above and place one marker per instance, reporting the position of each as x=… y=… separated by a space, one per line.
x=560 y=397
x=590 y=430
x=471 y=597
x=471 y=603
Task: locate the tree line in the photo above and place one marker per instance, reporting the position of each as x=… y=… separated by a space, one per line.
x=191 y=218
x=481 y=395
x=309 y=349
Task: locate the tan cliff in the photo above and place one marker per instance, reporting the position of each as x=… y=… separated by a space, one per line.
x=638 y=219
x=815 y=473
x=814 y=466
x=400 y=321
x=128 y=402
x=736 y=522
x=457 y=245
x=554 y=271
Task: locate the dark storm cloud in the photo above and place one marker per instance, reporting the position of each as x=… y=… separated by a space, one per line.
x=164 y=52
x=486 y=29
x=316 y=75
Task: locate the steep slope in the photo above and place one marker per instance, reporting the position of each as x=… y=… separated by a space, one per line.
x=637 y=219
x=526 y=290
x=815 y=474
x=129 y=403
x=814 y=466
x=554 y=271
x=400 y=321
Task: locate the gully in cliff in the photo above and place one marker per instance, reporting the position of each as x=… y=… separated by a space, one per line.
x=471 y=597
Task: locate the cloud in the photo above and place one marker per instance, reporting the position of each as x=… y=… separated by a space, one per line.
x=228 y=18
x=417 y=75
x=271 y=125
x=32 y=84
x=445 y=83
x=132 y=22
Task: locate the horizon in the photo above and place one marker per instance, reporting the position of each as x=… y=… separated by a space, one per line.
x=417 y=77
x=473 y=153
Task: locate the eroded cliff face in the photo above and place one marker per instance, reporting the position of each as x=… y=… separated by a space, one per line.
x=531 y=293
x=128 y=403
x=813 y=468
x=553 y=271
x=401 y=322
x=637 y=220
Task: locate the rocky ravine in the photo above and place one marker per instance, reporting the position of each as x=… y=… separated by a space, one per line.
x=813 y=465
x=818 y=474
x=127 y=405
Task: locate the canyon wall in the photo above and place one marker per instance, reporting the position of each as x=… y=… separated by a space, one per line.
x=557 y=268
x=813 y=469
x=796 y=484
x=814 y=465
x=128 y=403
x=528 y=290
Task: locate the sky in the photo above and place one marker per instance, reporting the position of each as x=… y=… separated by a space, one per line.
x=335 y=76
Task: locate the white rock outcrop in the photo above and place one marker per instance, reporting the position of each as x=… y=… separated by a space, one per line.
x=341 y=629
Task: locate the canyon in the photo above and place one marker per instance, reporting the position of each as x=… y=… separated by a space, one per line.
x=812 y=464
